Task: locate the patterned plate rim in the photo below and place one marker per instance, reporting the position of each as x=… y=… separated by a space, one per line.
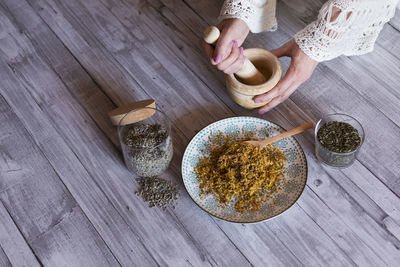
x=244 y=222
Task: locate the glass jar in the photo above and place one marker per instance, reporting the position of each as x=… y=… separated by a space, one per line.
x=146 y=144
x=336 y=159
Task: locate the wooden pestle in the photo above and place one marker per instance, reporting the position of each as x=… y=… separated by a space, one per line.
x=248 y=73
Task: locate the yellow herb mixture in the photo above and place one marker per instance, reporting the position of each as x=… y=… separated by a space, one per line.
x=234 y=170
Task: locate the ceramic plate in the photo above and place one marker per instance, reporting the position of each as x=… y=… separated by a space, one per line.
x=296 y=169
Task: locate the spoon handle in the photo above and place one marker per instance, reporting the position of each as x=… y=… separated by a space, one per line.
x=291 y=132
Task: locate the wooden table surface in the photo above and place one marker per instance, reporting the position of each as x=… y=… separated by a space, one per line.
x=67 y=198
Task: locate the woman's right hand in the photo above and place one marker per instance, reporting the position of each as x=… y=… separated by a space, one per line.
x=227 y=55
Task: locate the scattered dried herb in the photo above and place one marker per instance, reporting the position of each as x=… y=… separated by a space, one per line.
x=239 y=172
x=148 y=149
x=158 y=192
x=339 y=137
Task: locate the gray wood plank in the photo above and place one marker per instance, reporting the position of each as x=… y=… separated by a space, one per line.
x=189 y=220
x=4 y=259
x=83 y=26
x=112 y=228
x=387 y=191
x=49 y=218
x=185 y=245
x=272 y=244
x=118 y=235
x=60 y=71
x=395 y=21
x=14 y=250
x=90 y=23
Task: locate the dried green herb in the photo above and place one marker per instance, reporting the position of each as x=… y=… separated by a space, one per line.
x=158 y=192
x=338 y=143
x=146 y=135
x=148 y=150
x=339 y=137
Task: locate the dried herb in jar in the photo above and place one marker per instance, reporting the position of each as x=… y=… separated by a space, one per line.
x=148 y=150
x=337 y=144
x=146 y=135
x=158 y=192
x=339 y=137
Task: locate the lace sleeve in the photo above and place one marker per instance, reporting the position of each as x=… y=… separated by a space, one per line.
x=258 y=14
x=348 y=27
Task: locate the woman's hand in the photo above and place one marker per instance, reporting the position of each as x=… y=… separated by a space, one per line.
x=300 y=69
x=227 y=54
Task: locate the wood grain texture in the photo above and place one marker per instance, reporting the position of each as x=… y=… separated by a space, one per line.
x=42 y=208
x=103 y=215
x=332 y=247
x=161 y=241
x=379 y=222
x=349 y=214
x=66 y=64
x=14 y=251
x=4 y=261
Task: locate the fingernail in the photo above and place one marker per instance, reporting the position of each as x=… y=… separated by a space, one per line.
x=257 y=101
x=241 y=50
x=244 y=58
x=260 y=112
x=231 y=43
x=218 y=58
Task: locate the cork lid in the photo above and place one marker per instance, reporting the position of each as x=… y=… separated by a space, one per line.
x=117 y=114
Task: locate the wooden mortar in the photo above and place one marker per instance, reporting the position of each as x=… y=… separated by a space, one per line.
x=268 y=64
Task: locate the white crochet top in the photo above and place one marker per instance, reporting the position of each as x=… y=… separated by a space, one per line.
x=352 y=32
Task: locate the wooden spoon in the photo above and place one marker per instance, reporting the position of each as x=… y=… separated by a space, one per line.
x=263 y=143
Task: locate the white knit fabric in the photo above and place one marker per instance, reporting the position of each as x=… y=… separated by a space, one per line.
x=352 y=32
x=258 y=14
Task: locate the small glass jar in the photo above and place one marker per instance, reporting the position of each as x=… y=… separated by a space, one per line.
x=336 y=159
x=150 y=153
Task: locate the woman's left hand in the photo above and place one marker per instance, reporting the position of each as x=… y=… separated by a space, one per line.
x=300 y=69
